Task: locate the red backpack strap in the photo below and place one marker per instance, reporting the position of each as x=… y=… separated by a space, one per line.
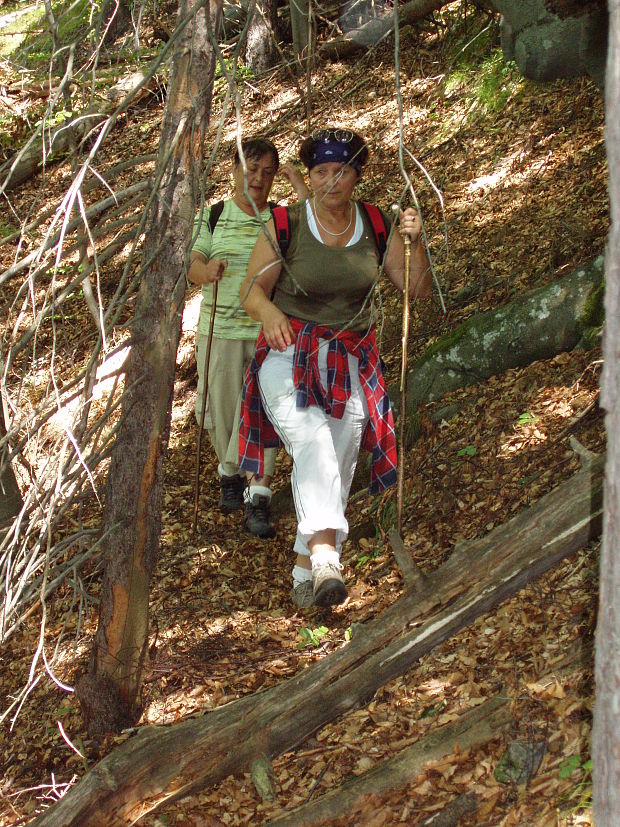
x=282 y=225
x=379 y=226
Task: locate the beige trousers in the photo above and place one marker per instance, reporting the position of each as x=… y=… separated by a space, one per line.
x=228 y=363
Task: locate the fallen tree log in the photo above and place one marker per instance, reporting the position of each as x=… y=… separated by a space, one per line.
x=162 y=764
x=28 y=161
x=357 y=40
x=474 y=727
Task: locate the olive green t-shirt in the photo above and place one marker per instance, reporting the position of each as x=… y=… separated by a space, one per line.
x=233 y=240
x=327 y=285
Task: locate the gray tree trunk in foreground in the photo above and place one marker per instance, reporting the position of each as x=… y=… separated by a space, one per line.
x=260 y=50
x=10 y=496
x=539 y=325
x=606 y=730
x=132 y=519
x=163 y=763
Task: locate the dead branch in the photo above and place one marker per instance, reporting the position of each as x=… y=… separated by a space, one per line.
x=161 y=764
x=475 y=727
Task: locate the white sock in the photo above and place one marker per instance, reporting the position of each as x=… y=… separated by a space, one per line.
x=323 y=557
x=261 y=490
x=300 y=575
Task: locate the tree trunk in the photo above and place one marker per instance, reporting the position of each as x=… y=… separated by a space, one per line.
x=132 y=518
x=475 y=727
x=115 y=19
x=606 y=730
x=260 y=51
x=301 y=29
x=161 y=764
x=359 y=39
x=10 y=496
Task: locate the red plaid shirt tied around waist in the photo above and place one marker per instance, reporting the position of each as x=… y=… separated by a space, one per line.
x=256 y=432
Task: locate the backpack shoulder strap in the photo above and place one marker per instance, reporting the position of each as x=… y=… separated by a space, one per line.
x=282 y=225
x=379 y=226
x=214 y=213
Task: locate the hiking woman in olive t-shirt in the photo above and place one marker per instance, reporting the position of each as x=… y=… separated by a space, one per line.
x=316 y=374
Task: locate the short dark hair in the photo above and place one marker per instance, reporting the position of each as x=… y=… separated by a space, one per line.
x=356 y=142
x=255 y=148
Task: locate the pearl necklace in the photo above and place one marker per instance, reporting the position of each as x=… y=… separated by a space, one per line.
x=325 y=230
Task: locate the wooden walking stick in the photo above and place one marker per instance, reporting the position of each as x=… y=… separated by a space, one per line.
x=412 y=576
x=403 y=389
x=205 y=390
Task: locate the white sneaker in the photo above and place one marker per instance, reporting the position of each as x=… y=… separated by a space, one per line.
x=303 y=594
x=328 y=584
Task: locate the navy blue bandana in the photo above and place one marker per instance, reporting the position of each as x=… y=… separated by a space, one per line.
x=337 y=152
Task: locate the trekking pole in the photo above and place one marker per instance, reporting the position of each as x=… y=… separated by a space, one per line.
x=205 y=390
x=403 y=389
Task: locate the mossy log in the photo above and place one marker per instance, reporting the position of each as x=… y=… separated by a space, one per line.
x=538 y=325
x=164 y=763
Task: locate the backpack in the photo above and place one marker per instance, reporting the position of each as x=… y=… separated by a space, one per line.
x=216 y=210
x=377 y=220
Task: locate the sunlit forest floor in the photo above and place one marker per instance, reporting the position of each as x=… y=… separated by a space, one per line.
x=521 y=171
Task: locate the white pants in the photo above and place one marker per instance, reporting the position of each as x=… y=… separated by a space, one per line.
x=324 y=450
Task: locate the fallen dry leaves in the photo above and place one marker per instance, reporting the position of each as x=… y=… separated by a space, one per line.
x=525 y=199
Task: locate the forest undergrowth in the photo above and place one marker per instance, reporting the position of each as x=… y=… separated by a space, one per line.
x=521 y=170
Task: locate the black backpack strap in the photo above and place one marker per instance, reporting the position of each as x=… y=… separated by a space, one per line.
x=379 y=225
x=282 y=226
x=214 y=213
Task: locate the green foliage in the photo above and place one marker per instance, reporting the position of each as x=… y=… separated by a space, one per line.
x=388 y=514
x=220 y=83
x=75 y=20
x=312 y=636
x=478 y=76
x=5 y=229
x=581 y=795
x=526 y=418
x=592 y=319
x=432 y=709
x=468 y=451
x=348 y=633
x=367 y=558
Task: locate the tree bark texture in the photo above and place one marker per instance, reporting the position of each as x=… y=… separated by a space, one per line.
x=161 y=764
x=10 y=497
x=539 y=325
x=301 y=33
x=606 y=729
x=260 y=51
x=357 y=40
x=132 y=518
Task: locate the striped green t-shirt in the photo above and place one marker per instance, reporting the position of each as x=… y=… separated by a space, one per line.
x=233 y=240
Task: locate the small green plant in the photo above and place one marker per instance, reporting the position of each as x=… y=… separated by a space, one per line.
x=366 y=558
x=467 y=451
x=348 y=633
x=312 y=636
x=581 y=795
x=527 y=418
x=432 y=709
x=388 y=515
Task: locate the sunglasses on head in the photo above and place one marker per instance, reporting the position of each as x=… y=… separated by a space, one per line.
x=343 y=136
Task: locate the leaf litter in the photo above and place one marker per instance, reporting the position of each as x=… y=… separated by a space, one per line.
x=526 y=201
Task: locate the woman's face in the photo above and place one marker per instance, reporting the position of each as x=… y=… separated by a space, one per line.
x=333 y=183
x=261 y=172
